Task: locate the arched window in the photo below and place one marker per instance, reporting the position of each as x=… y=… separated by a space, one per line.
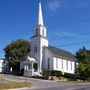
x=36 y=31
x=43 y=31
x=48 y=63
x=35 y=49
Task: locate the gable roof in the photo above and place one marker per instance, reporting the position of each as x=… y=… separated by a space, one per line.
x=62 y=53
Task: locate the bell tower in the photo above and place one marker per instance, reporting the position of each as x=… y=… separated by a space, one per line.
x=40 y=29
x=39 y=40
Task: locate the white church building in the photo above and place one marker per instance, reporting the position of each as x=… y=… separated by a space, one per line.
x=45 y=57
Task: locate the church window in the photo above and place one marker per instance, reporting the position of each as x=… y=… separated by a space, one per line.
x=36 y=31
x=48 y=63
x=43 y=31
x=56 y=63
x=35 y=49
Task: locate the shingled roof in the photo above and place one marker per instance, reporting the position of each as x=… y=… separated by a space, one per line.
x=62 y=53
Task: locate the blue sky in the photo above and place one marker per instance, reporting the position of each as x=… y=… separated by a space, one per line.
x=67 y=22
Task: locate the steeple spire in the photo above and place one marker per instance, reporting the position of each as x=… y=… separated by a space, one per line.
x=40 y=16
x=40 y=29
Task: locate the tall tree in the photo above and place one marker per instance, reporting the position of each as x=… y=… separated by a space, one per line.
x=83 y=56
x=15 y=51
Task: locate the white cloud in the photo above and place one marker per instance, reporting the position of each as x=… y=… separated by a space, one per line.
x=54 y=5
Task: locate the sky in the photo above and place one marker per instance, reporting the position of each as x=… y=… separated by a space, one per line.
x=67 y=22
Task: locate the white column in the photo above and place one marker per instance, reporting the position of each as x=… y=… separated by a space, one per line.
x=32 y=68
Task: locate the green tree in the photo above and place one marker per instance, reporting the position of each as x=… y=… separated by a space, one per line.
x=84 y=71
x=15 y=51
x=83 y=56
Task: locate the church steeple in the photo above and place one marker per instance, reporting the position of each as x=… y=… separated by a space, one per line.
x=39 y=40
x=40 y=29
x=40 y=16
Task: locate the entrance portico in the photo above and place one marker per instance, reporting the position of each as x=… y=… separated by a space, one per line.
x=30 y=67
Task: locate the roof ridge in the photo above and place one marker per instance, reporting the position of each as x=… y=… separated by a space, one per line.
x=61 y=52
x=61 y=49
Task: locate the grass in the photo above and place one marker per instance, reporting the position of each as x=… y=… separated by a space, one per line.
x=1 y=76
x=11 y=85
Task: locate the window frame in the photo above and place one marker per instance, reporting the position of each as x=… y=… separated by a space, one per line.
x=48 y=63
x=36 y=32
x=43 y=32
x=35 y=49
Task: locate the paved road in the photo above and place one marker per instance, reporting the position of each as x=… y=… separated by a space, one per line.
x=65 y=87
x=49 y=85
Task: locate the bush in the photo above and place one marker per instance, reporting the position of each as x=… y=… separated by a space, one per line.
x=52 y=73
x=73 y=77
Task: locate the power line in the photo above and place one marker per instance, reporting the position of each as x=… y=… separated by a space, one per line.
x=22 y=33
x=74 y=44
x=76 y=22
x=68 y=37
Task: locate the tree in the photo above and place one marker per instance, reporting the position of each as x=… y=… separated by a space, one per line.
x=83 y=56
x=84 y=71
x=15 y=51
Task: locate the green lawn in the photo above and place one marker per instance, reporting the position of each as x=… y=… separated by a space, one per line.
x=11 y=85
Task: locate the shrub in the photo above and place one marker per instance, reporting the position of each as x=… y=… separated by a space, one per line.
x=52 y=73
x=73 y=77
